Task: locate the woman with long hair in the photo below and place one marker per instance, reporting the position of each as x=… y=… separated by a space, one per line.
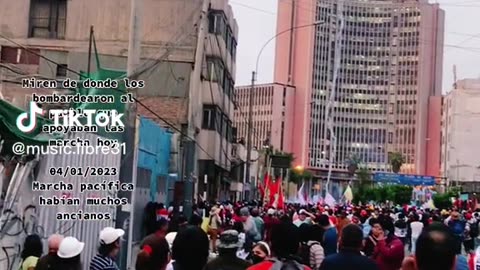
x=32 y=251
x=190 y=249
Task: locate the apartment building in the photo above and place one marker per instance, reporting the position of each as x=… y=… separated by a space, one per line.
x=460 y=133
x=272 y=115
x=60 y=30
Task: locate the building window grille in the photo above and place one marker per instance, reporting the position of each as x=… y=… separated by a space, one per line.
x=48 y=19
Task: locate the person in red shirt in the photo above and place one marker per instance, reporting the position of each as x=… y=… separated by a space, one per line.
x=389 y=250
x=270 y=221
x=283 y=248
x=332 y=217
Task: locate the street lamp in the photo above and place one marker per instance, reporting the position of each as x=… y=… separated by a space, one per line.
x=250 y=94
x=299 y=168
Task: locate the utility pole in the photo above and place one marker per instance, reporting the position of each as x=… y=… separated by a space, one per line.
x=128 y=170
x=90 y=50
x=249 y=132
x=189 y=175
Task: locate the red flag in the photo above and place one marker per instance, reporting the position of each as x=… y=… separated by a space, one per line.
x=281 y=199
x=266 y=195
x=273 y=192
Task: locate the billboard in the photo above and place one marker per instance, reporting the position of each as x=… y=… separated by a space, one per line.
x=404 y=179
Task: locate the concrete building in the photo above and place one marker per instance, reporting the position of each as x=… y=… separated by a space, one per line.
x=365 y=71
x=272 y=119
x=460 y=132
x=59 y=30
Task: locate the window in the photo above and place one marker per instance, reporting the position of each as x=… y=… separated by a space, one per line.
x=12 y=55
x=215 y=70
x=48 y=19
x=208 y=121
x=218 y=25
x=62 y=70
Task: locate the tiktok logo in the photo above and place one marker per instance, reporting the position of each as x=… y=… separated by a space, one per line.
x=32 y=116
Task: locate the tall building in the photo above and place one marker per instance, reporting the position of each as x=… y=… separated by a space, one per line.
x=272 y=118
x=186 y=90
x=363 y=71
x=460 y=132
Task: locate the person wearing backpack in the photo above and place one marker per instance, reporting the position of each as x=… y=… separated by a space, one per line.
x=285 y=242
x=311 y=251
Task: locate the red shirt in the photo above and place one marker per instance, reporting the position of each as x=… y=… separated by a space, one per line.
x=266 y=265
x=333 y=220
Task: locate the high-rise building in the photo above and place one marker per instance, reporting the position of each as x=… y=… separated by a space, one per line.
x=363 y=71
x=460 y=132
x=272 y=118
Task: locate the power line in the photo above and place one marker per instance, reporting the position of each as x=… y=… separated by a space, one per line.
x=253 y=8
x=116 y=89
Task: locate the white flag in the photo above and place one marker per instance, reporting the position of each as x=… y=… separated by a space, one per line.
x=301 y=196
x=329 y=200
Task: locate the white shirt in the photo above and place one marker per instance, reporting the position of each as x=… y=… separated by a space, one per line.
x=417 y=228
x=400 y=232
x=170 y=265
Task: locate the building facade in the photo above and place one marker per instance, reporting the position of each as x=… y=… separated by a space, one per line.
x=188 y=99
x=364 y=72
x=460 y=132
x=272 y=118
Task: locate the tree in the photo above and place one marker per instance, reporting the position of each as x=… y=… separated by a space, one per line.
x=396 y=161
x=364 y=177
x=395 y=193
x=296 y=176
x=442 y=201
x=353 y=162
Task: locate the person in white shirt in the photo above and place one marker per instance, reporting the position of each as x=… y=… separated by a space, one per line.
x=416 y=227
x=401 y=228
x=303 y=217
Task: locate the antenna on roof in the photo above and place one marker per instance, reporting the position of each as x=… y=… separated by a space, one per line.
x=454 y=76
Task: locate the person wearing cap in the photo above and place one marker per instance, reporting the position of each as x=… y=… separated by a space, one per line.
x=69 y=254
x=46 y=262
x=303 y=217
x=108 y=249
x=228 y=245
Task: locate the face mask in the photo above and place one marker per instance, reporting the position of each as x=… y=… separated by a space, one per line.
x=257 y=259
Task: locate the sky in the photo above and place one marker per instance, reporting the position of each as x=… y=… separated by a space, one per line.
x=257 y=24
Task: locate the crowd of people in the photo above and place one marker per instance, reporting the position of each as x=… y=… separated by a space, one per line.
x=247 y=236
x=64 y=253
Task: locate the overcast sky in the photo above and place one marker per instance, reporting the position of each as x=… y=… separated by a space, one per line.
x=257 y=22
